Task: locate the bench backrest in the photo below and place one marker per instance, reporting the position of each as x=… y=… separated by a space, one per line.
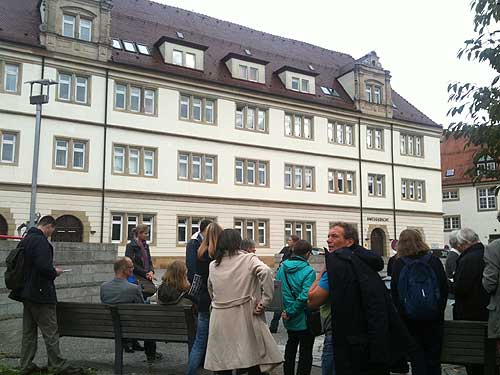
x=464 y=342
x=173 y=323
x=84 y=320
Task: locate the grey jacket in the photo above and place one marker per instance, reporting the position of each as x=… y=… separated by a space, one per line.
x=491 y=276
x=120 y=291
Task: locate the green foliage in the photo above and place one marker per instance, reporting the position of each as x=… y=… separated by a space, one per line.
x=481 y=105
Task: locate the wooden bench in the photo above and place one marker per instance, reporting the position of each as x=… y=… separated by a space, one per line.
x=168 y=323
x=467 y=343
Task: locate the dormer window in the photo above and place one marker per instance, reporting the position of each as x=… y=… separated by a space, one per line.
x=181 y=52
x=373 y=94
x=246 y=67
x=377 y=95
x=368 y=94
x=297 y=79
x=74 y=26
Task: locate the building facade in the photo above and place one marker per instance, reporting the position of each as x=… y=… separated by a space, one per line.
x=468 y=205
x=163 y=116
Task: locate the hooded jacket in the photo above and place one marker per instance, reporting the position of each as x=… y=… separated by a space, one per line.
x=368 y=334
x=168 y=295
x=300 y=277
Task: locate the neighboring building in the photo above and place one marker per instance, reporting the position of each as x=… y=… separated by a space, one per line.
x=163 y=116
x=466 y=205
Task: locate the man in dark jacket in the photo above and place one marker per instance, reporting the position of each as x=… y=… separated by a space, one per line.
x=368 y=334
x=192 y=248
x=471 y=298
x=39 y=299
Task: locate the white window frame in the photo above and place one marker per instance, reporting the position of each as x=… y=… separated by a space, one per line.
x=72 y=23
x=15 y=74
x=64 y=149
x=450 y=195
x=81 y=85
x=489 y=193
x=451 y=223
x=294 y=126
x=82 y=151
x=114 y=222
x=13 y=143
x=149 y=155
x=119 y=154
x=81 y=26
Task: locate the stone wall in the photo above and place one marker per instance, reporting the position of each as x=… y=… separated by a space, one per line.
x=91 y=265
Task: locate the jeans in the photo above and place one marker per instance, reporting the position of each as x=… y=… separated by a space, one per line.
x=200 y=343
x=305 y=340
x=41 y=316
x=327 y=362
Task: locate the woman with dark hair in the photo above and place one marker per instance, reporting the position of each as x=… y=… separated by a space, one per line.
x=241 y=286
x=416 y=266
x=206 y=253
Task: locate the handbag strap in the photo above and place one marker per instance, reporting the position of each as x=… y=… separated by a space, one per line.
x=289 y=286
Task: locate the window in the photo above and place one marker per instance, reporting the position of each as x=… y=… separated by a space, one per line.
x=73 y=88
x=300 y=84
x=11 y=78
x=117 y=44
x=251 y=118
x=451 y=223
x=68 y=27
x=194 y=108
x=129 y=46
x=299 y=177
x=487 y=199
x=254 y=74
x=196 y=167
x=70 y=154
x=253 y=229
x=411 y=145
x=251 y=172
x=304 y=85
x=71 y=24
x=244 y=72
x=304 y=230
x=375 y=138
x=298 y=126
x=121 y=233
x=340 y=182
x=412 y=190
x=368 y=94
x=450 y=195
x=8 y=147
x=85 y=29
x=485 y=163
x=134 y=161
x=295 y=83
x=143 y=49
x=177 y=57
x=376 y=185
x=340 y=133
x=190 y=60
x=135 y=99
x=188 y=226
x=377 y=92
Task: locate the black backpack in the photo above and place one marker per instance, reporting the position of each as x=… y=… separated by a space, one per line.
x=14 y=274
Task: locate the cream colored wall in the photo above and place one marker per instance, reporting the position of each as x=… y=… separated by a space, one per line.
x=432 y=226
x=431 y=148
x=167 y=48
x=374 y=154
x=374 y=201
x=286 y=78
x=433 y=195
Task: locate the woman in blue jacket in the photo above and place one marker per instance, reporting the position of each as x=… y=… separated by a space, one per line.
x=297 y=276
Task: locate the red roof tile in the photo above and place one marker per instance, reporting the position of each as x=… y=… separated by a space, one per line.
x=455 y=157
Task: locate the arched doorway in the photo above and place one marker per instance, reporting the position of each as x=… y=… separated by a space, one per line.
x=68 y=229
x=377 y=241
x=4 y=227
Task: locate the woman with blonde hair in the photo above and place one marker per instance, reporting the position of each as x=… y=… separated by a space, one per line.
x=241 y=287
x=419 y=289
x=175 y=285
x=206 y=253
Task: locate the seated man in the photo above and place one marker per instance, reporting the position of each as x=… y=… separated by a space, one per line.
x=119 y=290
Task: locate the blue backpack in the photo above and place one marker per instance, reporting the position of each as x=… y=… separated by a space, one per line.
x=418 y=289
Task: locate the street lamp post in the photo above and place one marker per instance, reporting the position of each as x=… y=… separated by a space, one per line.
x=38 y=100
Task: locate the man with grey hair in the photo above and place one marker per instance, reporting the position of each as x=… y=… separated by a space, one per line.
x=471 y=298
x=248 y=246
x=452 y=257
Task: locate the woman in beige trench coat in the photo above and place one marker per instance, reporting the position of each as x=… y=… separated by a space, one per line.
x=241 y=286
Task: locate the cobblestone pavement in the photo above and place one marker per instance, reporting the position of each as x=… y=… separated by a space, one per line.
x=99 y=355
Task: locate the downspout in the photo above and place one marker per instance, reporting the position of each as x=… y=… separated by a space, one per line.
x=103 y=190
x=360 y=182
x=393 y=183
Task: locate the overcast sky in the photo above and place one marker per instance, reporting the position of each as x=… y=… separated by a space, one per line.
x=417 y=41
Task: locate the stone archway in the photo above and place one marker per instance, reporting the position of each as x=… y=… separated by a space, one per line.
x=68 y=229
x=81 y=216
x=378 y=241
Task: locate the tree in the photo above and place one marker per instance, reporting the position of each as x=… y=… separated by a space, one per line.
x=480 y=104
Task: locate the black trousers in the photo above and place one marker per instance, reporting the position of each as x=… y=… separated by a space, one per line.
x=304 y=340
x=426 y=360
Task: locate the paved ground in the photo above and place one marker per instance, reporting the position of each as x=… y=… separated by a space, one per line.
x=99 y=354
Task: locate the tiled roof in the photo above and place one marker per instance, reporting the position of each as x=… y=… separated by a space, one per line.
x=454 y=156
x=146 y=22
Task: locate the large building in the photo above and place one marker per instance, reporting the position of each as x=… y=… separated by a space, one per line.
x=163 y=116
x=467 y=204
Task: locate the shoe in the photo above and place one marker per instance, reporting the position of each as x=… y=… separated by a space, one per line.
x=137 y=347
x=155 y=358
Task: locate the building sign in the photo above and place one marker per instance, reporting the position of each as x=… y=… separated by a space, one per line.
x=378 y=219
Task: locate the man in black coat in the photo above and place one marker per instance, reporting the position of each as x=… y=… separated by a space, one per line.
x=471 y=298
x=368 y=335
x=39 y=299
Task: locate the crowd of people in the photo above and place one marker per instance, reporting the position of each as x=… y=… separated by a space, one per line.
x=367 y=328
